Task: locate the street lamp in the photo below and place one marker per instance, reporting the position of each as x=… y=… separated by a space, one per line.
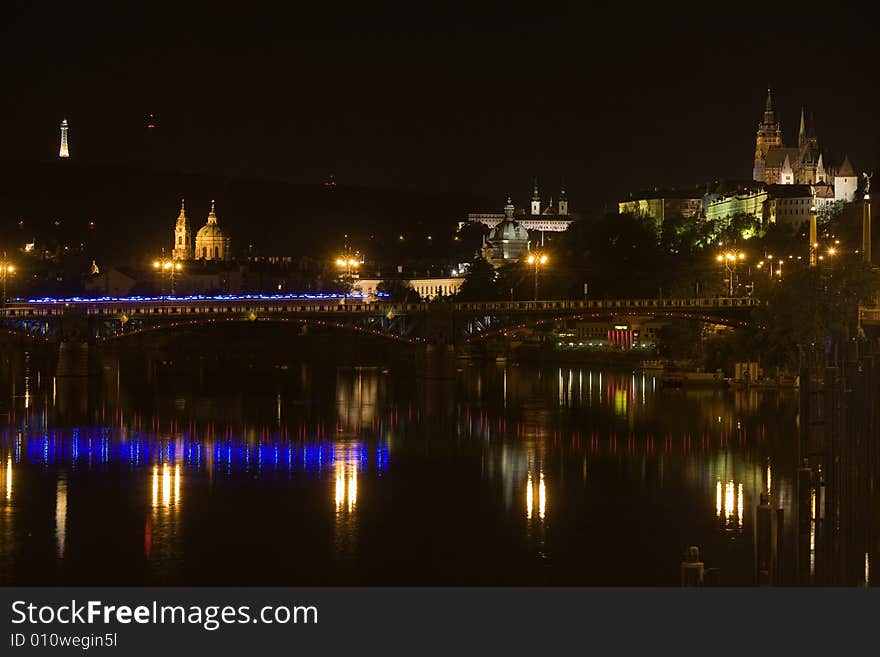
x=538 y=260
x=347 y=264
x=167 y=267
x=730 y=259
x=7 y=269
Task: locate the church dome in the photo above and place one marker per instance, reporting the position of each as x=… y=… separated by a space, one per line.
x=212 y=243
x=509 y=230
x=210 y=232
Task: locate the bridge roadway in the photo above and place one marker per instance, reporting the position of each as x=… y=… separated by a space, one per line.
x=338 y=306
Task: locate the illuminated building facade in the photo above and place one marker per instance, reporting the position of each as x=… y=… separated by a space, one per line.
x=788 y=204
x=553 y=217
x=661 y=204
x=428 y=288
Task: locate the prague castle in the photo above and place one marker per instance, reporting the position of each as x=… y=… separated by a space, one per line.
x=212 y=243
x=777 y=164
x=786 y=182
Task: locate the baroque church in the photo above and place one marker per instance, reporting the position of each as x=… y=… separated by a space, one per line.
x=508 y=240
x=212 y=243
x=777 y=164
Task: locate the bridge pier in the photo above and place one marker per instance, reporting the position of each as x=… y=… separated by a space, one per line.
x=74 y=348
x=72 y=358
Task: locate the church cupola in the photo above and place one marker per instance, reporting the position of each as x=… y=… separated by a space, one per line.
x=536 y=199
x=212 y=243
x=563 y=202
x=509 y=209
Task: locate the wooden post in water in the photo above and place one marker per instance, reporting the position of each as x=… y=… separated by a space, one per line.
x=780 y=545
x=692 y=569
x=765 y=543
x=866 y=225
x=804 y=484
x=805 y=415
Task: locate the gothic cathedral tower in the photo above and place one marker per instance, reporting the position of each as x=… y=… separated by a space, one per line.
x=769 y=136
x=182 y=237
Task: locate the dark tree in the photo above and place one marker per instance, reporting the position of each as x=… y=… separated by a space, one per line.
x=398 y=291
x=480 y=283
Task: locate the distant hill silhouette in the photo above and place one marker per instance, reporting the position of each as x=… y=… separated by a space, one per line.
x=134 y=211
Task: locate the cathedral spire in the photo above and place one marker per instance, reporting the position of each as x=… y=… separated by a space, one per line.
x=768 y=106
x=802 y=133
x=786 y=174
x=212 y=215
x=182 y=216
x=536 y=198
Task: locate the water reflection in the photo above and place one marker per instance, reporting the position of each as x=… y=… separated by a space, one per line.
x=61 y=515
x=8 y=478
x=170 y=494
x=531 y=496
x=348 y=470
x=349 y=459
x=731 y=508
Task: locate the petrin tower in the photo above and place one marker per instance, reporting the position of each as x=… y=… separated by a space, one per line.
x=62 y=151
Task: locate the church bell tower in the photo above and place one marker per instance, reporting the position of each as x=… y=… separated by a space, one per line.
x=536 y=199
x=769 y=136
x=182 y=237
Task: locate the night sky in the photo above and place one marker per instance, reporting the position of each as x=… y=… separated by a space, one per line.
x=434 y=98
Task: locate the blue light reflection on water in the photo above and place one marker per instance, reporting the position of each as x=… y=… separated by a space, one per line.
x=99 y=445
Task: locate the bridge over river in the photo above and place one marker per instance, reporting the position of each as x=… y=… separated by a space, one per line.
x=111 y=318
x=100 y=320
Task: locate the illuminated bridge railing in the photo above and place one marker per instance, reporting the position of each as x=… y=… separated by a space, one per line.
x=196 y=308
x=609 y=304
x=869 y=315
x=341 y=307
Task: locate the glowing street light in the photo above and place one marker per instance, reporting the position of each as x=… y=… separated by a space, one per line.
x=7 y=269
x=168 y=267
x=348 y=264
x=730 y=259
x=538 y=260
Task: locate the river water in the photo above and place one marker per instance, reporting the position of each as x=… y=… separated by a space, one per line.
x=309 y=473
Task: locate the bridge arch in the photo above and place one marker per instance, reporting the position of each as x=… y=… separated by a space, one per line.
x=534 y=322
x=186 y=324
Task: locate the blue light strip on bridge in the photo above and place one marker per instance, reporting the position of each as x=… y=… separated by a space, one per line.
x=200 y=297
